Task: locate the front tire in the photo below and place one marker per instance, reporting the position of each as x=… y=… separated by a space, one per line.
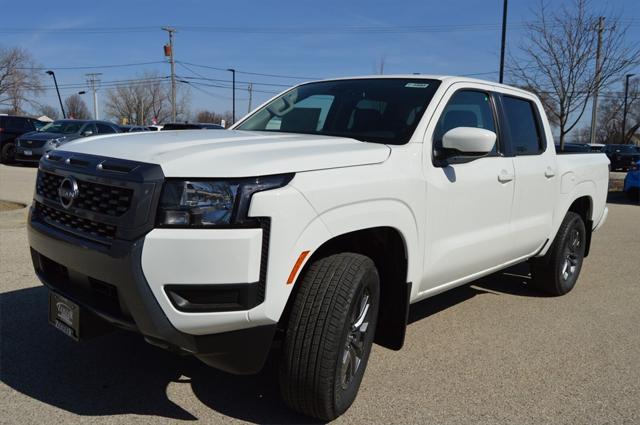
x=557 y=271
x=329 y=335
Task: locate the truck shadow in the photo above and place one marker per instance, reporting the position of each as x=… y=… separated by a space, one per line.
x=512 y=281
x=119 y=373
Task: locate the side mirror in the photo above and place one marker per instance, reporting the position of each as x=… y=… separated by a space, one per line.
x=469 y=140
x=87 y=133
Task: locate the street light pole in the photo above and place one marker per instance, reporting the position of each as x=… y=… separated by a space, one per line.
x=504 y=39
x=53 y=74
x=624 y=113
x=233 y=107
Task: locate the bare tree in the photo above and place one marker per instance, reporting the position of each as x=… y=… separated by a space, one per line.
x=76 y=108
x=213 y=117
x=557 y=61
x=610 y=118
x=19 y=77
x=48 y=111
x=146 y=100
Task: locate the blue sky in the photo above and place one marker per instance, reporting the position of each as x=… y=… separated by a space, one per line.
x=315 y=51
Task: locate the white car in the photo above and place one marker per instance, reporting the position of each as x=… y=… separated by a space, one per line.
x=315 y=221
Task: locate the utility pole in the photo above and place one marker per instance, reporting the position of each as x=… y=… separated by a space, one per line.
x=168 y=51
x=250 y=88
x=504 y=40
x=233 y=108
x=624 y=114
x=93 y=79
x=141 y=118
x=594 y=109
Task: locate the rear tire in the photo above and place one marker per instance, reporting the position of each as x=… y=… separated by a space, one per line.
x=329 y=335
x=8 y=153
x=557 y=271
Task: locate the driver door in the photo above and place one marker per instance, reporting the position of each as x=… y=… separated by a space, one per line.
x=468 y=202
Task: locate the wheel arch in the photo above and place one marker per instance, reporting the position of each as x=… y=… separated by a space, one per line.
x=387 y=247
x=581 y=203
x=583 y=206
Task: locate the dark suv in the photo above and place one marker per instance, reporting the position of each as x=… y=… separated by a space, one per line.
x=11 y=127
x=31 y=146
x=622 y=157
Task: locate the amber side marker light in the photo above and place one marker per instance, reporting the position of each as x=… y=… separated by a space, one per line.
x=296 y=267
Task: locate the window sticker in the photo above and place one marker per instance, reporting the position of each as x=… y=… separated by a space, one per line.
x=417 y=85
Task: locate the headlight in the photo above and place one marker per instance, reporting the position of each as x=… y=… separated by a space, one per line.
x=208 y=203
x=56 y=142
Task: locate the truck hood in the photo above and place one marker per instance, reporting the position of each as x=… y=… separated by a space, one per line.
x=40 y=135
x=232 y=153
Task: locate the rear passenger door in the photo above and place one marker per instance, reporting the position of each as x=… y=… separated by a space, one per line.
x=535 y=168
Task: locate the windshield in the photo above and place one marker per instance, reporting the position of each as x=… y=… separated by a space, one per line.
x=62 y=127
x=381 y=110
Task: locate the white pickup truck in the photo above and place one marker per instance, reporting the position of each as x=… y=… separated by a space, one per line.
x=314 y=222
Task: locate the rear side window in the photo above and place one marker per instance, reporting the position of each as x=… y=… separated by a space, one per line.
x=19 y=124
x=523 y=126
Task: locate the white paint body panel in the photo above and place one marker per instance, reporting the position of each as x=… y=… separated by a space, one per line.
x=184 y=256
x=229 y=153
x=469 y=139
x=458 y=223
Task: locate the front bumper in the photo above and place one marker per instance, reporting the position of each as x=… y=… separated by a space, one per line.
x=124 y=285
x=30 y=155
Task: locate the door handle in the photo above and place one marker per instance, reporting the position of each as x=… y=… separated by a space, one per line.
x=548 y=173
x=505 y=176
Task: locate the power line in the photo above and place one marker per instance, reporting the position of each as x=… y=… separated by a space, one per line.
x=379 y=29
x=113 y=83
x=250 y=73
x=58 y=68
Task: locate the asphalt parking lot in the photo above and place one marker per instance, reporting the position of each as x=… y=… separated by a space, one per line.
x=494 y=351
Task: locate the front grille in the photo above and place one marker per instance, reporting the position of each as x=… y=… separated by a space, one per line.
x=75 y=224
x=32 y=143
x=95 y=197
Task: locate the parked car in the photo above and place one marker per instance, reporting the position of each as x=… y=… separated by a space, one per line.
x=574 y=148
x=11 y=127
x=192 y=126
x=596 y=147
x=314 y=222
x=133 y=128
x=632 y=182
x=155 y=127
x=31 y=146
x=622 y=157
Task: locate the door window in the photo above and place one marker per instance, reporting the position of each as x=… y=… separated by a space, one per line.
x=467 y=108
x=523 y=126
x=104 y=129
x=89 y=127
